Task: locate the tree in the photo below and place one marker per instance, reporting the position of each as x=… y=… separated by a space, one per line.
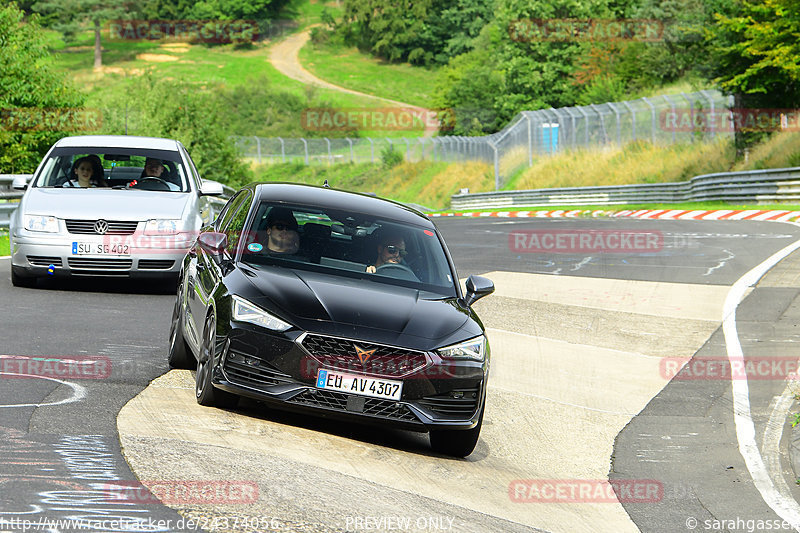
x=29 y=88
x=755 y=56
x=70 y=16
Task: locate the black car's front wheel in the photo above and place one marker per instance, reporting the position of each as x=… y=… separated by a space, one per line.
x=455 y=442
x=179 y=354
x=205 y=392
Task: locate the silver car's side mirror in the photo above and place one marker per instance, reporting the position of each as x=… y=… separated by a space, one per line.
x=210 y=188
x=20 y=183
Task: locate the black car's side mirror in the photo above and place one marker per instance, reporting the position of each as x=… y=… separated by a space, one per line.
x=477 y=288
x=213 y=243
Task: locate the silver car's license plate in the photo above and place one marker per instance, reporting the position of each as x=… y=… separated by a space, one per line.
x=100 y=248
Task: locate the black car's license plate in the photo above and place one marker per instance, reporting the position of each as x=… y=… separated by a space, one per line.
x=362 y=385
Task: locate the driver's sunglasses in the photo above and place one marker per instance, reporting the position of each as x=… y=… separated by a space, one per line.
x=280 y=226
x=396 y=250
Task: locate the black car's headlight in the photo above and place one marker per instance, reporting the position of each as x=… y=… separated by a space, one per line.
x=244 y=311
x=473 y=349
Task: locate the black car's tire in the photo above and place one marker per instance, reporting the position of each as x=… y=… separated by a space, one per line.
x=180 y=356
x=205 y=392
x=18 y=280
x=458 y=443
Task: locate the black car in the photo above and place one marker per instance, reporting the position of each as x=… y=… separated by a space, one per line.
x=337 y=304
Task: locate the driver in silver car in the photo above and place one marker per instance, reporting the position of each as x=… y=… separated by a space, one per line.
x=392 y=249
x=153 y=168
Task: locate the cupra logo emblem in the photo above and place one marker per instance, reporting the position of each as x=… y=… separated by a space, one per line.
x=364 y=355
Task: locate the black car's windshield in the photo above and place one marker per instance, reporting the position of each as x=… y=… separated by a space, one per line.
x=346 y=244
x=123 y=168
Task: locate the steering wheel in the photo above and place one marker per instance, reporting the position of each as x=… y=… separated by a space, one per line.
x=146 y=179
x=397 y=270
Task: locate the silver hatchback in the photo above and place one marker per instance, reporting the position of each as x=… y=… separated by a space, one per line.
x=106 y=205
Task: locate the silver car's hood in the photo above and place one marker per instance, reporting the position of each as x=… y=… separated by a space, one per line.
x=111 y=204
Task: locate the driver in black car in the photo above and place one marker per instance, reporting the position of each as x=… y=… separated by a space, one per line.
x=392 y=249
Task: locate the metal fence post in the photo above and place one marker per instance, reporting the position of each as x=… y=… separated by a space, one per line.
x=350 y=142
x=496 y=166
x=258 y=148
x=672 y=108
x=330 y=155
x=652 y=119
x=691 y=114
x=371 y=150
x=530 y=139
x=633 y=119
x=283 y=150
x=616 y=115
x=305 y=144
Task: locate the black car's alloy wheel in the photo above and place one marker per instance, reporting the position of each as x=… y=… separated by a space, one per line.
x=458 y=443
x=204 y=390
x=179 y=354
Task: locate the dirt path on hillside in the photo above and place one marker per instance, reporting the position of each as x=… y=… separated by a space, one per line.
x=284 y=57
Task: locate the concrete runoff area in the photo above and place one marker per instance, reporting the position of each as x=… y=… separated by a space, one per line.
x=555 y=404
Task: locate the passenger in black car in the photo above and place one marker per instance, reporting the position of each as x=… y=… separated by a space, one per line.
x=282 y=235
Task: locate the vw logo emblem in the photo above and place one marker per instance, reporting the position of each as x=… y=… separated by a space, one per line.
x=101 y=227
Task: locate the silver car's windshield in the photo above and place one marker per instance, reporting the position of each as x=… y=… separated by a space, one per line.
x=345 y=244
x=118 y=168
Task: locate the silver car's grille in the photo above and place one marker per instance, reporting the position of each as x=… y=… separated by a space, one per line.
x=338 y=401
x=87 y=227
x=155 y=264
x=99 y=264
x=364 y=357
x=42 y=260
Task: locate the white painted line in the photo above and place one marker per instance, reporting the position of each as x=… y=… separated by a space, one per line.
x=78 y=391
x=783 y=504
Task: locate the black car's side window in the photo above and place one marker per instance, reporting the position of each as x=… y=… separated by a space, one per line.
x=234 y=225
x=229 y=210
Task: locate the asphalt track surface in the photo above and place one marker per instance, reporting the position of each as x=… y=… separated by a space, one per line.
x=61 y=454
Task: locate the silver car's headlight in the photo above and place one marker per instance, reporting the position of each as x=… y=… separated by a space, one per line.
x=161 y=226
x=40 y=223
x=244 y=311
x=474 y=349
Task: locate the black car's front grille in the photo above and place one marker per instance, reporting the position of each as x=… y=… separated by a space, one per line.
x=155 y=264
x=458 y=402
x=364 y=357
x=84 y=263
x=42 y=260
x=339 y=401
x=87 y=227
x=252 y=372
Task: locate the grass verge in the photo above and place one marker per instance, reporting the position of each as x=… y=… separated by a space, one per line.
x=349 y=68
x=5 y=248
x=686 y=206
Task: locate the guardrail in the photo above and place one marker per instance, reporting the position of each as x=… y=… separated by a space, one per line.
x=754 y=187
x=9 y=198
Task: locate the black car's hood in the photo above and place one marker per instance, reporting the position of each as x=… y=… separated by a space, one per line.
x=346 y=306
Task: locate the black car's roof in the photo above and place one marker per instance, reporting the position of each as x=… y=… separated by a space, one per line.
x=324 y=197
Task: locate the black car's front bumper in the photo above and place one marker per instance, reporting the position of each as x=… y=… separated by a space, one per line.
x=276 y=369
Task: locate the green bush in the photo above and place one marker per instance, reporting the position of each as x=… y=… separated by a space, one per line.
x=391 y=157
